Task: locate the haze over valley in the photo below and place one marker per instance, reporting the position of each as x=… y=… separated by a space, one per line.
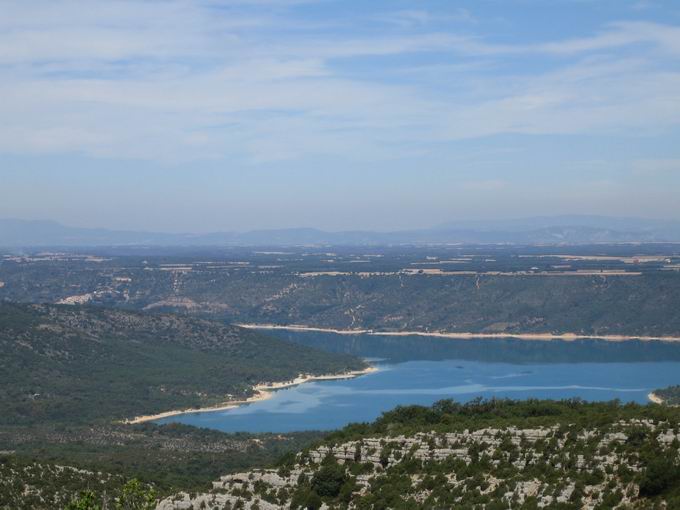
x=539 y=230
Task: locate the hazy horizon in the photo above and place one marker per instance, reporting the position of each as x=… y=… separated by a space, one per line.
x=521 y=223
x=238 y=115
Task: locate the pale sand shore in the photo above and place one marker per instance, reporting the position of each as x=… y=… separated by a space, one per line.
x=653 y=397
x=262 y=392
x=295 y=327
x=467 y=335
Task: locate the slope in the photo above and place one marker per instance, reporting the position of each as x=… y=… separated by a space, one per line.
x=79 y=365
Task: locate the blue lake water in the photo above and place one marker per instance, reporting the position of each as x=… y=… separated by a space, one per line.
x=416 y=370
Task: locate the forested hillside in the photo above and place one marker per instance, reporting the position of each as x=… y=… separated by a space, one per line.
x=639 y=305
x=74 y=365
x=596 y=291
x=70 y=374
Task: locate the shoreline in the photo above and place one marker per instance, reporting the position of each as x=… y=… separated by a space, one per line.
x=263 y=391
x=568 y=337
x=653 y=397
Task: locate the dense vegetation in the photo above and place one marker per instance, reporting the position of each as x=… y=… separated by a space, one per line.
x=75 y=365
x=170 y=456
x=70 y=374
x=491 y=289
x=449 y=415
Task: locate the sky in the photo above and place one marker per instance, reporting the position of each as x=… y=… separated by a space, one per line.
x=198 y=116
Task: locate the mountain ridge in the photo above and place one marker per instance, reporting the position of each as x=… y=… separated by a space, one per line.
x=569 y=229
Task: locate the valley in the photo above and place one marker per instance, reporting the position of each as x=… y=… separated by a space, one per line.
x=181 y=367
x=340 y=255
x=616 y=290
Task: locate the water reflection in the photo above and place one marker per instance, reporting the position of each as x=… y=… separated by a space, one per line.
x=507 y=350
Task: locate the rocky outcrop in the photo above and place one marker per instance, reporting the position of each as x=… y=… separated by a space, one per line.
x=520 y=464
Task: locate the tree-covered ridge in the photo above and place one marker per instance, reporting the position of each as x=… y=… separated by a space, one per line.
x=449 y=415
x=79 y=364
x=68 y=373
x=601 y=290
x=481 y=455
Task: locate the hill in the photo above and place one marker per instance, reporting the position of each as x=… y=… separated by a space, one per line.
x=76 y=364
x=70 y=374
x=482 y=455
x=631 y=290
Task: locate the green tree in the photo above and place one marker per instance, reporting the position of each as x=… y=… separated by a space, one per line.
x=313 y=502
x=661 y=474
x=86 y=500
x=328 y=480
x=135 y=496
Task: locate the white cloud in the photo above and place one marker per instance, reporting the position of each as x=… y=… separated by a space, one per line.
x=180 y=80
x=587 y=97
x=618 y=35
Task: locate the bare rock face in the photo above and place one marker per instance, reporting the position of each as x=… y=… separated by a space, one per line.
x=511 y=464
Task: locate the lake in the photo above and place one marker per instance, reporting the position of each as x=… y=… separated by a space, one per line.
x=421 y=370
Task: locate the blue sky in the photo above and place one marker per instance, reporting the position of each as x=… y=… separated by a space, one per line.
x=232 y=115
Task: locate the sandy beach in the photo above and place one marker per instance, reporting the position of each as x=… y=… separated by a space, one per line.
x=653 y=397
x=467 y=335
x=262 y=392
x=295 y=327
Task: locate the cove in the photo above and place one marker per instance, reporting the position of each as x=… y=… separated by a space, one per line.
x=417 y=370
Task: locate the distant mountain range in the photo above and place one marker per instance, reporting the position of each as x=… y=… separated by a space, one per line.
x=536 y=230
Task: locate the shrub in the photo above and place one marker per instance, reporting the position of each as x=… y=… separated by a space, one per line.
x=328 y=480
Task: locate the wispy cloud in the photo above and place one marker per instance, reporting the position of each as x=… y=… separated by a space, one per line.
x=617 y=35
x=251 y=80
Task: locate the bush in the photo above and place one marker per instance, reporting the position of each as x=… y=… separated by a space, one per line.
x=661 y=474
x=328 y=480
x=313 y=501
